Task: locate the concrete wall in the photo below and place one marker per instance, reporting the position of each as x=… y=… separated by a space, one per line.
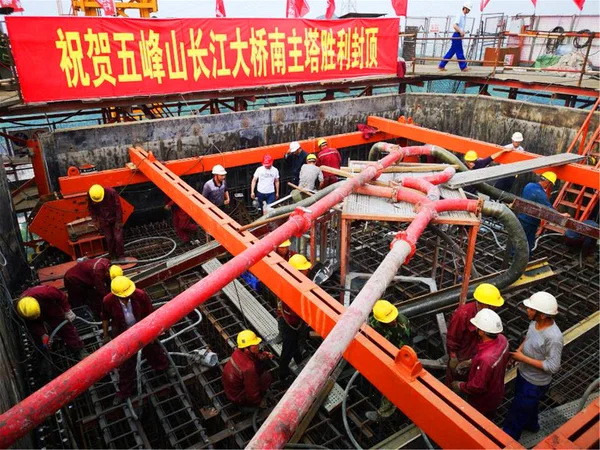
x=12 y=268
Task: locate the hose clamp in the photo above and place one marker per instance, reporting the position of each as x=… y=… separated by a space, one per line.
x=302 y=216
x=403 y=236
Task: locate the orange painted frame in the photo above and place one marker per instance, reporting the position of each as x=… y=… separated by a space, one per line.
x=190 y=166
x=575 y=173
x=445 y=417
x=579 y=432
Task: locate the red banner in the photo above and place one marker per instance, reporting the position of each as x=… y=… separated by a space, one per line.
x=108 y=6
x=14 y=4
x=74 y=58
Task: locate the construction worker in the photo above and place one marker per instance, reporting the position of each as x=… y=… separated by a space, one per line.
x=293 y=331
x=461 y=341
x=311 y=176
x=284 y=250
x=539 y=358
x=185 y=227
x=485 y=385
x=395 y=328
x=579 y=242
x=295 y=158
x=44 y=308
x=266 y=183
x=215 y=189
x=473 y=162
x=88 y=282
x=245 y=376
x=536 y=192
x=456 y=47
x=506 y=184
x=105 y=209
x=330 y=157
x=121 y=309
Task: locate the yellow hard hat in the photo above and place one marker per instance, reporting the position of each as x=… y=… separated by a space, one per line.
x=29 y=308
x=300 y=262
x=285 y=244
x=115 y=271
x=122 y=286
x=96 y=193
x=471 y=156
x=384 y=311
x=321 y=142
x=488 y=294
x=247 y=338
x=311 y=157
x=550 y=176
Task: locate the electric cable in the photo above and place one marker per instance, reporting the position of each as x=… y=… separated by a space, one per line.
x=345 y=413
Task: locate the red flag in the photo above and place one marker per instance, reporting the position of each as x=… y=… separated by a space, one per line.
x=296 y=8
x=483 y=4
x=579 y=4
x=330 y=9
x=220 y=9
x=108 y=6
x=534 y=3
x=14 y=4
x=400 y=6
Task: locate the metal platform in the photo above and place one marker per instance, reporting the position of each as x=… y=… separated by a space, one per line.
x=470 y=177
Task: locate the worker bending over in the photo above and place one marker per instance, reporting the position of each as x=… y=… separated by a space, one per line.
x=266 y=183
x=184 y=225
x=330 y=157
x=245 y=376
x=104 y=206
x=88 y=282
x=506 y=184
x=536 y=192
x=485 y=385
x=311 y=176
x=539 y=358
x=473 y=162
x=395 y=328
x=462 y=338
x=295 y=158
x=215 y=189
x=293 y=329
x=44 y=308
x=121 y=310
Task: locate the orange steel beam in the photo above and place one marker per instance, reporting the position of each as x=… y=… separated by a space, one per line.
x=545 y=87
x=579 y=432
x=189 y=166
x=575 y=173
x=445 y=417
x=39 y=167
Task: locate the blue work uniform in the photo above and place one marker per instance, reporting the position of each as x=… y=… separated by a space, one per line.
x=534 y=193
x=480 y=163
x=457 y=45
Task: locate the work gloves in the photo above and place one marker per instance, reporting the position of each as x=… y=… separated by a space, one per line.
x=70 y=316
x=452 y=364
x=463 y=367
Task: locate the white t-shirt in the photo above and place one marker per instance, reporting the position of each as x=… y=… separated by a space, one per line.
x=266 y=179
x=518 y=149
x=461 y=21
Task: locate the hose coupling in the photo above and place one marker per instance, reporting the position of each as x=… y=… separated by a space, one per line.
x=403 y=236
x=302 y=216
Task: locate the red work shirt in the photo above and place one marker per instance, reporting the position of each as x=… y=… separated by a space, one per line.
x=330 y=157
x=485 y=386
x=109 y=209
x=291 y=318
x=91 y=274
x=462 y=337
x=53 y=307
x=241 y=379
x=113 y=311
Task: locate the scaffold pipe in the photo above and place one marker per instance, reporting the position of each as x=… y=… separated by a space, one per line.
x=24 y=416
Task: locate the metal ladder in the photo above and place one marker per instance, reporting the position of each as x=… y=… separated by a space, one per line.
x=578 y=200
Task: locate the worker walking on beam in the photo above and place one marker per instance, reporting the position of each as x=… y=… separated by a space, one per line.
x=456 y=47
x=539 y=359
x=462 y=338
x=265 y=183
x=473 y=162
x=215 y=189
x=88 y=282
x=104 y=206
x=485 y=385
x=293 y=331
x=536 y=192
x=395 y=328
x=44 y=309
x=121 y=309
x=330 y=157
x=295 y=158
x=245 y=377
x=506 y=184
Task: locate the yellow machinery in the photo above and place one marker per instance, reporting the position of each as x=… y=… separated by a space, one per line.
x=92 y=8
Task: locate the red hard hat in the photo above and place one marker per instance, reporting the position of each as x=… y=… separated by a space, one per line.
x=267 y=160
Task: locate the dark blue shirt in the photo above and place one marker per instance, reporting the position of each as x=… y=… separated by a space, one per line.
x=534 y=193
x=480 y=163
x=295 y=161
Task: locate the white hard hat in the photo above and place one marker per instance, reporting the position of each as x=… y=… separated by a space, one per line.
x=543 y=302
x=294 y=146
x=468 y=5
x=488 y=321
x=219 y=170
x=517 y=137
